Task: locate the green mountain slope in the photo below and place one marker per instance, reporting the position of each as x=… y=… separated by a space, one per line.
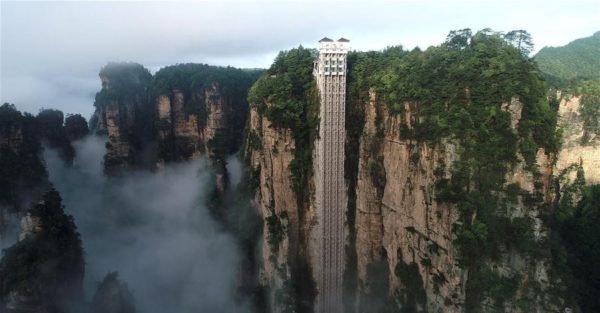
x=578 y=59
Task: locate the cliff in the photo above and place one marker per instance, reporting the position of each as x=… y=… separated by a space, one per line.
x=278 y=151
x=43 y=272
x=180 y=113
x=401 y=221
x=23 y=175
x=579 y=146
x=124 y=113
x=450 y=161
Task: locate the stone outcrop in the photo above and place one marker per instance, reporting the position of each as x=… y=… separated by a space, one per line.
x=30 y=225
x=574 y=150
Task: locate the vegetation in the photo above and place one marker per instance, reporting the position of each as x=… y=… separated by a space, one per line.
x=411 y=298
x=76 y=127
x=577 y=60
x=46 y=267
x=577 y=224
x=21 y=167
x=590 y=107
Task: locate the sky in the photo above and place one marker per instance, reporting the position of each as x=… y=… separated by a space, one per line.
x=51 y=52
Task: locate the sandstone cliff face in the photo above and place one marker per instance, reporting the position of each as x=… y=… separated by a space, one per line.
x=181 y=113
x=121 y=113
x=400 y=221
x=196 y=123
x=269 y=154
x=289 y=240
x=574 y=150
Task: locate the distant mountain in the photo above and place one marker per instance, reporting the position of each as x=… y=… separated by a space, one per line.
x=578 y=59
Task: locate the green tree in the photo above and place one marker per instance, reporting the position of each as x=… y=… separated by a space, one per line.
x=521 y=39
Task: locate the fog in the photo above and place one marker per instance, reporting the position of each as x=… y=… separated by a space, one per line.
x=153 y=228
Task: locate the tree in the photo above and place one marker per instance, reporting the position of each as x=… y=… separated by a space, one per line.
x=76 y=126
x=520 y=39
x=459 y=39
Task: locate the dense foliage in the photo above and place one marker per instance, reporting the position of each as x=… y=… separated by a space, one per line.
x=579 y=59
x=578 y=226
x=76 y=127
x=21 y=166
x=46 y=267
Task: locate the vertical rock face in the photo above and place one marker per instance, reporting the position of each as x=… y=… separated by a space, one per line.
x=184 y=111
x=200 y=122
x=22 y=172
x=400 y=225
x=270 y=153
x=279 y=141
x=124 y=114
x=450 y=168
x=400 y=221
x=574 y=149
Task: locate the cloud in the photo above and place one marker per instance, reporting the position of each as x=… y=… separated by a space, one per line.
x=154 y=229
x=46 y=45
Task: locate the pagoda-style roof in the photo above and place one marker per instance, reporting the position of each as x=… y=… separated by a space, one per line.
x=325 y=39
x=343 y=40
